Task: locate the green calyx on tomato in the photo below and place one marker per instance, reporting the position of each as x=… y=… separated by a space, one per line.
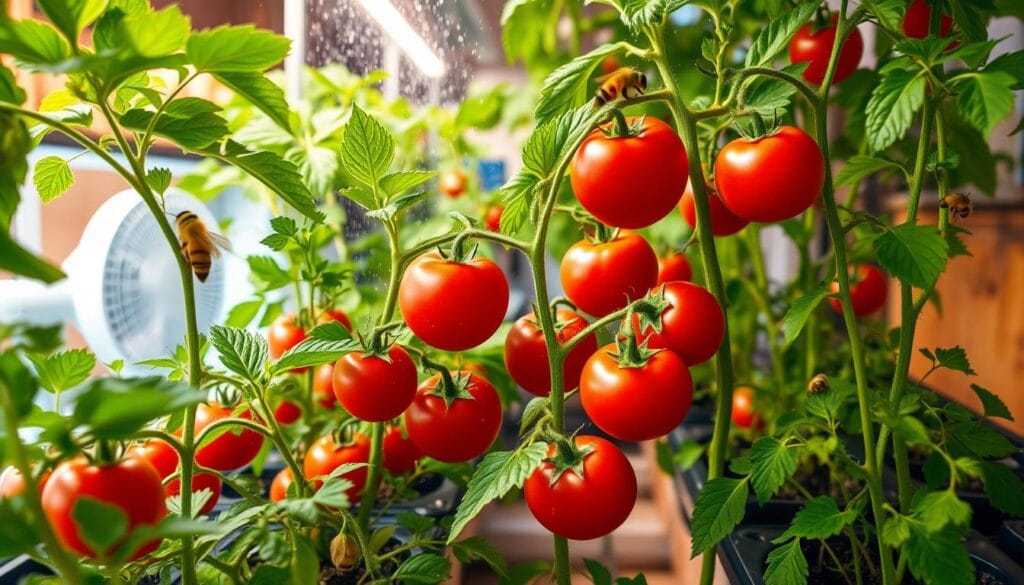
x=452 y=388
x=628 y=352
x=568 y=456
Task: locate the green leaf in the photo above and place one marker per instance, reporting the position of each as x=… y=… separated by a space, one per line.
x=1011 y=63
x=276 y=173
x=32 y=42
x=115 y=408
x=396 y=206
x=927 y=50
x=519 y=21
x=937 y=509
x=305 y=562
x=798 y=313
x=71 y=16
x=891 y=108
x=100 y=525
x=889 y=13
x=17 y=260
x=426 y=568
x=63 y=370
x=243 y=313
x=915 y=254
x=243 y=352
x=193 y=132
x=719 y=508
x=482 y=111
x=159 y=179
x=820 y=518
x=259 y=91
x=267 y=273
x=496 y=474
x=896 y=530
x=154 y=34
x=565 y=88
x=775 y=37
x=1004 y=487
x=313 y=352
x=599 y=574
x=981 y=440
x=52 y=177
x=236 y=48
x=938 y=558
x=639 y=13
x=549 y=143
x=786 y=565
x=985 y=99
x=992 y=405
x=399 y=182
x=517 y=197
x=367 y=148
x=771 y=97
x=954 y=358
x=772 y=463
x=860 y=166
x=477 y=547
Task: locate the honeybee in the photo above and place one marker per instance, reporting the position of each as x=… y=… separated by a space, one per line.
x=818 y=384
x=198 y=244
x=959 y=205
x=623 y=82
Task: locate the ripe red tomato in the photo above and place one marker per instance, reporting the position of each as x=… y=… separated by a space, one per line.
x=400 y=453
x=636 y=403
x=279 y=487
x=917 y=21
x=602 y=278
x=375 y=389
x=230 y=450
x=323 y=386
x=587 y=507
x=674 y=267
x=283 y=335
x=723 y=221
x=493 y=218
x=868 y=291
x=335 y=315
x=771 y=178
x=692 y=326
x=526 y=353
x=200 y=482
x=457 y=432
x=630 y=182
x=287 y=412
x=453 y=305
x=816 y=48
x=324 y=456
x=132 y=485
x=452 y=183
x=12 y=483
x=164 y=460
x=743 y=413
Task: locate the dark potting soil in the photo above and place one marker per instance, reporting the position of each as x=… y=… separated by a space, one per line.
x=817 y=480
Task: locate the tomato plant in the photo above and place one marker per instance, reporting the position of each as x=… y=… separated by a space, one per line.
x=526 y=354
x=231 y=449
x=813 y=44
x=454 y=417
x=600 y=277
x=375 y=388
x=164 y=460
x=692 y=323
x=325 y=455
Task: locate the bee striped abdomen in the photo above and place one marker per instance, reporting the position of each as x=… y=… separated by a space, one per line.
x=200 y=260
x=196 y=244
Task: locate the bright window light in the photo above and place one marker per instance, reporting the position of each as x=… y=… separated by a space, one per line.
x=397 y=27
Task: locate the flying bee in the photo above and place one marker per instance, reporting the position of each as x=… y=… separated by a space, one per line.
x=818 y=384
x=623 y=82
x=959 y=205
x=198 y=244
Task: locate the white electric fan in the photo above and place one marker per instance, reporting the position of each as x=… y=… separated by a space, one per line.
x=123 y=289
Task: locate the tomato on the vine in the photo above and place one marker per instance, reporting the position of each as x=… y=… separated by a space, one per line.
x=287 y=412
x=400 y=454
x=12 y=483
x=324 y=456
x=164 y=460
x=635 y=401
x=526 y=352
x=279 y=486
x=323 y=386
x=692 y=325
x=338 y=315
x=283 y=335
x=587 y=507
x=493 y=217
x=723 y=221
x=743 y=413
x=815 y=48
x=131 y=484
x=453 y=305
x=231 y=449
x=868 y=291
x=452 y=183
x=454 y=424
x=674 y=267
x=375 y=388
x=604 y=277
x=630 y=181
x=917 y=21
x=771 y=178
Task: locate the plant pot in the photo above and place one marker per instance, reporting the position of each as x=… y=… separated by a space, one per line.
x=1011 y=538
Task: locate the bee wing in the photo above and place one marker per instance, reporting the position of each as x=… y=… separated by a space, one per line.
x=219 y=243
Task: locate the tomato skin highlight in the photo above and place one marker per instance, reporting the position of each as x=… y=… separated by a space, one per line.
x=757 y=181
x=452 y=183
x=598 y=278
x=816 y=48
x=457 y=433
x=640 y=403
x=324 y=456
x=630 y=182
x=723 y=221
x=12 y=483
x=375 y=389
x=323 y=386
x=526 y=352
x=674 y=267
x=400 y=454
x=230 y=450
x=743 y=413
x=132 y=484
x=868 y=291
x=588 y=507
x=693 y=325
x=453 y=306
x=917 y=21
x=279 y=486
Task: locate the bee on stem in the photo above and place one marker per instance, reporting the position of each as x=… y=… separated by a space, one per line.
x=198 y=244
x=818 y=384
x=959 y=205
x=623 y=82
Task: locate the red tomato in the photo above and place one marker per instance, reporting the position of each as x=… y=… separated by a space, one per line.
x=164 y=460
x=324 y=456
x=602 y=278
x=868 y=291
x=338 y=315
x=630 y=182
x=375 y=389
x=692 y=326
x=283 y=335
x=526 y=353
x=230 y=450
x=587 y=507
x=457 y=432
x=200 y=482
x=816 y=48
x=917 y=21
x=287 y=412
x=400 y=453
x=636 y=403
x=674 y=267
x=493 y=219
x=743 y=413
x=12 y=483
x=452 y=183
x=279 y=487
x=453 y=305
x=723 y=221
x=323 y=386
x=771 y=178
x=132 y=485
